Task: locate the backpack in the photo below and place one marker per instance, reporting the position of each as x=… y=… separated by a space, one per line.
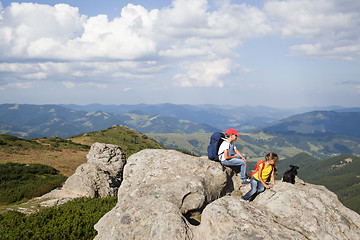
x=257 y=168
x=215 y=141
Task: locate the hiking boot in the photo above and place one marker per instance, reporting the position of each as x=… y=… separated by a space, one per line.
x=245 y=181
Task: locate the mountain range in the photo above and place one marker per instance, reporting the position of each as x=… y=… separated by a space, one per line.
x=221 y=117
x=34 y=121
x=319 y=133
x=346 y=123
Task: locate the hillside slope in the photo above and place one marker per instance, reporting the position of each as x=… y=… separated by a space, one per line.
x=129 y=140
x=66 y=155
x=340 y=174
x=61 y=154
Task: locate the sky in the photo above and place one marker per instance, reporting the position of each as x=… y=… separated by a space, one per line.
x=275 y=53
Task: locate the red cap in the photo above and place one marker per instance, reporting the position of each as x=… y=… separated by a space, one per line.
x=232 y=131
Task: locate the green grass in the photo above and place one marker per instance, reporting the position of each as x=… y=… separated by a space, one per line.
x=72 y=220
x=11 y=144
x=129 y=140
x=20 y=182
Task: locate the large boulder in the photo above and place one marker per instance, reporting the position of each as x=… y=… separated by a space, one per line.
x=161 y=188
x=286 y=211
x=101 y=176
x=186 y=181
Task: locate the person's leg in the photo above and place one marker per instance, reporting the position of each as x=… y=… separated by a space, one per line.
x=242 y=167
x=253 y=190
x=260 y=188
x=237 y=162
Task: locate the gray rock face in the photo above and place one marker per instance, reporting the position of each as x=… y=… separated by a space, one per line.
x=161 y=188
x=186 y=181
x=101 y=176
x=286 y=211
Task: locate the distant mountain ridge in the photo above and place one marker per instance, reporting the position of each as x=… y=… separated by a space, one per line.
x=319 y=133
x=244 y=118
x=34 y=121
x=346 y=123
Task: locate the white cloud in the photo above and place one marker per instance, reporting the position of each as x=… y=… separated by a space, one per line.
x=198 y=47
x=62 y=42
x=330 y=27
x=68 y=84
x=204 y=74
x=23 y=25
x=23 y=85
x=36 y=76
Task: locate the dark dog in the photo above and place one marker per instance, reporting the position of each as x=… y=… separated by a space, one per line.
x=289 y=175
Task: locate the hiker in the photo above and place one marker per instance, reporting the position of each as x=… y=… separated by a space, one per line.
x=265 y=170
x=226 y=150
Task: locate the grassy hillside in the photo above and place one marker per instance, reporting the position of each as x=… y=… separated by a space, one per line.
x=67 y=154
x=129 y=140
x=72 y=220
x=340 y=174
x=19 y=182
x=63 y=155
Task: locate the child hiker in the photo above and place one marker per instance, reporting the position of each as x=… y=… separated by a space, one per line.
x=226 y=150
x=266 y=169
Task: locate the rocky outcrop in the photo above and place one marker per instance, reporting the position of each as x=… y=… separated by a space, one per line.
x=160 y=187
x=163 y=189
x=101 y=176
x=285 y=211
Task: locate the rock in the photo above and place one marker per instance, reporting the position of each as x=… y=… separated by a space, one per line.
x=311 y=210
x=232 y=218
x=186 y=181
x=101 y=176
x=57 y=197
x=154 y=179
x=143 y=218
x=162 y=188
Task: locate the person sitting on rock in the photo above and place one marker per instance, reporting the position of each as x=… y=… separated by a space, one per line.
x=266 y=169
x=226 y=150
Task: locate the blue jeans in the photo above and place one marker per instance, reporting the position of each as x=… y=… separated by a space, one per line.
x=256 y=188
x=237 y=162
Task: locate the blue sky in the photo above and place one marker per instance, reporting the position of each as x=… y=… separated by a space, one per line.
x=284 y=54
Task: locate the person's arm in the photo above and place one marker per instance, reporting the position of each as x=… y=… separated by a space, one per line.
x=226 y=155
x=273 y=176
x=239 y=154
x=260 y=178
